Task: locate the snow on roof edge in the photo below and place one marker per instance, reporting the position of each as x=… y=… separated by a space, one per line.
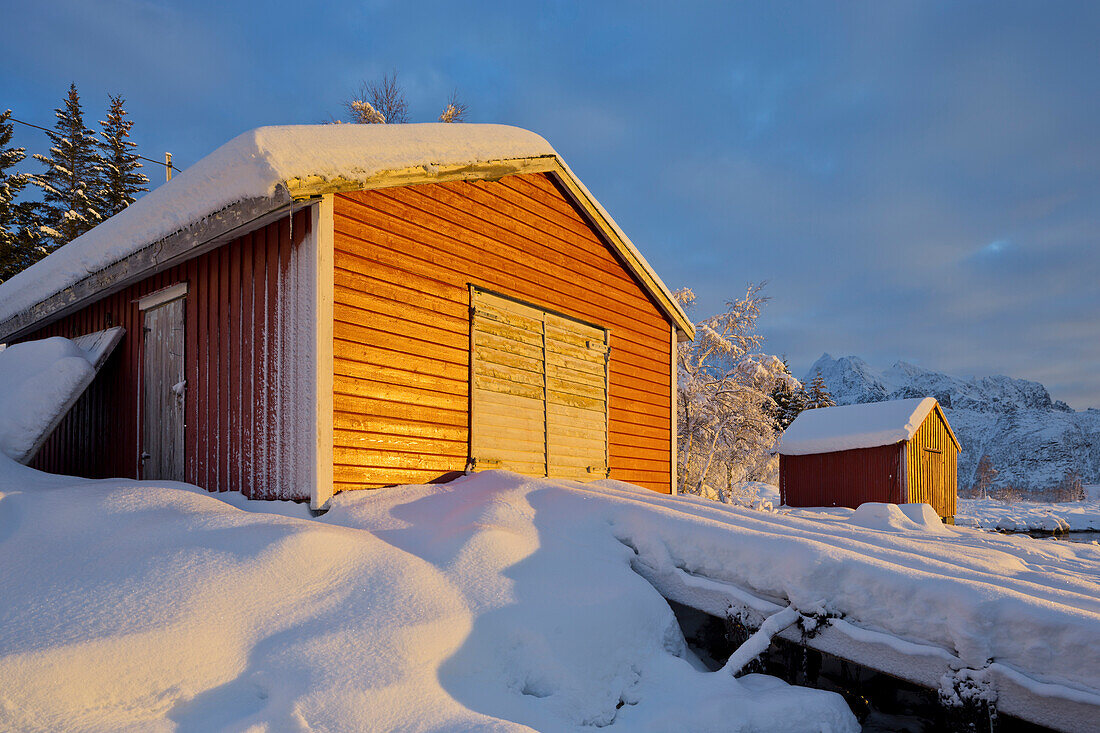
x=850 y=427
x=253 y=165
x=689 y=329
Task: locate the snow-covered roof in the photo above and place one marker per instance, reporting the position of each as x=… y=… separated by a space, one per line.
x=257 y=165
x=831 y=429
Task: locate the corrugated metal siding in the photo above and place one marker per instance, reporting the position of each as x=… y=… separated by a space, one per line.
x=845 y=478
x=404 y=258
x=249 y=339
x=932 y=435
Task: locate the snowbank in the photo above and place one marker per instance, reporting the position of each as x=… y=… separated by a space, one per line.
x=252 y=165
x=1026 y=516
x=830 y=429
x=39 y=381
x=491 y=603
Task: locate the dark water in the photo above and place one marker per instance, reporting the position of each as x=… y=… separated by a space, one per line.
x=881 y=703
x=1066 y=536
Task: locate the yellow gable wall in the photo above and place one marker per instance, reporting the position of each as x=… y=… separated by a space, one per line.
x=932 y=443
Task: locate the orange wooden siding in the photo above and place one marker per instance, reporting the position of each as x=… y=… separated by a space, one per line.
x=932 y=440
x=404 y=258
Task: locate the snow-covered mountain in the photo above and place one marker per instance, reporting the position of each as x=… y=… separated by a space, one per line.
x=1032 y=440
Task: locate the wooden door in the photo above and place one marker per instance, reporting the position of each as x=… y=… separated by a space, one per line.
x=576 y=404
x=538 y=391
x=163 y=391
x=935 y=477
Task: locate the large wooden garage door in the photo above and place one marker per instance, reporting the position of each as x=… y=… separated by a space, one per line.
x=539 y=390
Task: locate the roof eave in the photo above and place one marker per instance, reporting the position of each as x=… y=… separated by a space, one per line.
x=201 y=236
x=495 y=170
x=240 y=217
x=939 y=410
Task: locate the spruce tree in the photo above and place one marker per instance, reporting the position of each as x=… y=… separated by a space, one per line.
x=819 y=395
x=119 y=177
x=69 y=185
x=19 y=245
x=789 y=402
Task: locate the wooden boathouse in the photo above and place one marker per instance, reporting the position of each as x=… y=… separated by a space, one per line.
x=898 y=452
x=313 y=309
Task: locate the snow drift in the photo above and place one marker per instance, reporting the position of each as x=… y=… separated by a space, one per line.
x=494 y=603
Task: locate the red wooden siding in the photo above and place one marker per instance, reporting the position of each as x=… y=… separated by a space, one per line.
x=249 y=337
x=844 y=478
x=403 y=260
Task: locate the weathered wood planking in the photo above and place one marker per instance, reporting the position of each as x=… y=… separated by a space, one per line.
x=244 y=332
x=500 y=329
x=404 y=260
x=163 y=391
x=515 y=424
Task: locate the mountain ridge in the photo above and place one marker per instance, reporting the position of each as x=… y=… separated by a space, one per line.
x=1032 y=440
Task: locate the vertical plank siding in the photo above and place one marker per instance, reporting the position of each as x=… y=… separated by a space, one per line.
x=249 y=330
x=853 y=477
x=843 y=478
x=404 y=258
x=932 y=436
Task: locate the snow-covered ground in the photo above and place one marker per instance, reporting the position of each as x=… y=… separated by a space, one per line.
x=495 y=602
x=492 y=603
x=1024 y=516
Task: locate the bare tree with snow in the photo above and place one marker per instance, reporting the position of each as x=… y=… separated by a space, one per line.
x=983 y=478
x=726 y=415
x=379 y=102
x=455 y=110
x=383 y=102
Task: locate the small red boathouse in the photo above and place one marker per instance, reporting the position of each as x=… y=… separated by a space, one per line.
x=897 y=452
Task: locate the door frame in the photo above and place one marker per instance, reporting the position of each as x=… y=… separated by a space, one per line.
x=156 y=299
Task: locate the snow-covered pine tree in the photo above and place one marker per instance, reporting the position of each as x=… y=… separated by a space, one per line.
x=819 y=394
x=119 y=177
x=789 y=397
x=69 y=185
x=19 y=245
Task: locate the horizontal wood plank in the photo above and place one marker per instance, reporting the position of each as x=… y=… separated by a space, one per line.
x=405 y=259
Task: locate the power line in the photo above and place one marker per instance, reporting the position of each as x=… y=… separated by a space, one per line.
x=158 y=162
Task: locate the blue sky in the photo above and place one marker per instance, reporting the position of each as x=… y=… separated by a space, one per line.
x=915 y=181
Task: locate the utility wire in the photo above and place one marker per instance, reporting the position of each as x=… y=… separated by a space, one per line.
x=43 y=129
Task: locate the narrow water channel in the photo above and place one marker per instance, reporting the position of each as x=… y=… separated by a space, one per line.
x=1085 y=537
x=881 y=703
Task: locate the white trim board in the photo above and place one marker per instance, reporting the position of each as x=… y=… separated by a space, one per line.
x=162 y=296
x=323 y=278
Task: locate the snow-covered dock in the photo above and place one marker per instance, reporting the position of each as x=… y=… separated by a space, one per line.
x=503 y=602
